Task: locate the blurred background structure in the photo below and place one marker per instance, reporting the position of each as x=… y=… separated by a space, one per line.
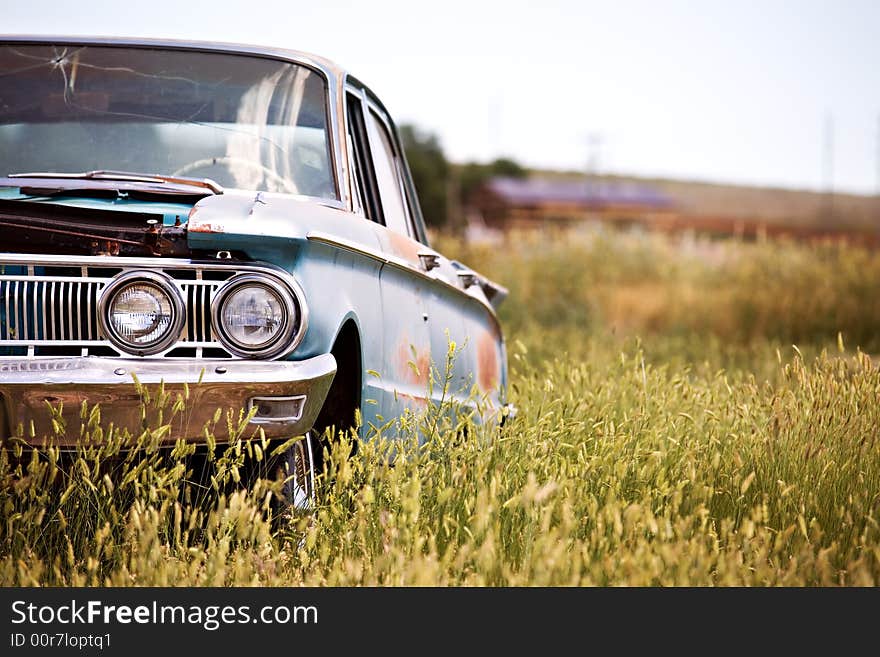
x=750 y=118
x=482 y=201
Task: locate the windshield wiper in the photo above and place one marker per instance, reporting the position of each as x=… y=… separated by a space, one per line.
x=125 y=176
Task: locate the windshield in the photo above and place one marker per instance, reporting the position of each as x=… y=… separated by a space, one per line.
x=245 y=122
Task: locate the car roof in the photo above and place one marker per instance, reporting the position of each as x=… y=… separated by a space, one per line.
x=331 y=70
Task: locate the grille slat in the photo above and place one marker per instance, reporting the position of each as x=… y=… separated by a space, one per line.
x=89 y=311
x=52 y=311
x=191 y=315
x=43 y=287
x=23 y=327
x=8 y=332
x=25 y=315
x=15 y=311
x=207 y=293
x=59 y=309
x=68 y=329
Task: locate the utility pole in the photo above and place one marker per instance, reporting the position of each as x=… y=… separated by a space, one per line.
x=828 y=167
x=594 y=145
x=877 y=189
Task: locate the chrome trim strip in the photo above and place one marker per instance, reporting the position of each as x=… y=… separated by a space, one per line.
x=386 y=259
x=347 y=245
x=45 y=327
x=8 y=332
x=68 y=291
x=52 y=309
x=378 y=256
x=24 y=314
x=15 y=307
x=70 y=308
x=55 y=343
x=125 y=262
x=89 y=309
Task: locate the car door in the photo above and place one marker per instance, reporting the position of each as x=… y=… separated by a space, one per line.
x=444 y=375
x=402 y=383
x=461 y=305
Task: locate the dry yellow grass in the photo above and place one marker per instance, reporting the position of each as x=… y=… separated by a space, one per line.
x=707 y=452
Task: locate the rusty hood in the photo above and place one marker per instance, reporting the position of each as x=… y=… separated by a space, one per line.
x=266 y=226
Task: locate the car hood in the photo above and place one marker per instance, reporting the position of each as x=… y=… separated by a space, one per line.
x=59 y=218
x=267 y=226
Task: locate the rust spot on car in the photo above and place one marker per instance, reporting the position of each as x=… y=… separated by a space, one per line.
x=413 y=400
x=207 y=227
x=195 y=225
x=495 y=328
x=414 y=363
x=404 y=247
x=487 y=362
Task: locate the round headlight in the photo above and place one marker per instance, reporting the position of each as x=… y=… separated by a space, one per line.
x=255 y=316
x=141 y=312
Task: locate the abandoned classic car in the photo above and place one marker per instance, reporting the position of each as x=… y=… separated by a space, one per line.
x=235 y=216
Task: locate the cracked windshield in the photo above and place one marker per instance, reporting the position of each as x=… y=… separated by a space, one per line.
x=244 y=122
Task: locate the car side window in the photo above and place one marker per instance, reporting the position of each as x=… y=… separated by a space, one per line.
x=359 y=201
x=387 y=169
x=360 y=162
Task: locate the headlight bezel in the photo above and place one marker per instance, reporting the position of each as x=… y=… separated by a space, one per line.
x=294 y=321
x=159 y=280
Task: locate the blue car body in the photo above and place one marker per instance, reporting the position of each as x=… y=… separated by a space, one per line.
x=375 y=308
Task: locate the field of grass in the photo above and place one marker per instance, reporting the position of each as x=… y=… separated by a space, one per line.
x=689 y=414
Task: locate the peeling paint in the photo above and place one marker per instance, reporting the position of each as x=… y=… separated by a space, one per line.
x=404 y=247
x=413 y=363
x=495 y=328
x=415 y=400
x=206 y=227
x=487 y=362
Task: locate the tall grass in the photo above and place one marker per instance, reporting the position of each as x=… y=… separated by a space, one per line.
x=644 y=284
x=702 y=453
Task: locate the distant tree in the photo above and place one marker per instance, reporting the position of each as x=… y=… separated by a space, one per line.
x=438 y=182
x=430 y=172
x=473 y=175
x=504 y=166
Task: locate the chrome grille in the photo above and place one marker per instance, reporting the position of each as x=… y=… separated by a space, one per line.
x=40 y=309
x=51 y=302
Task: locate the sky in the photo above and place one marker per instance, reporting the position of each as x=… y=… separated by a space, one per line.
x=769 y=93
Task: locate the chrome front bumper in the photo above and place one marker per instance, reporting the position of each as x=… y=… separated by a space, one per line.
x=288 y=394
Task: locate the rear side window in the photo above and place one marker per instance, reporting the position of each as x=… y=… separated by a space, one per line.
x=359 y=160
x=388 y=176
